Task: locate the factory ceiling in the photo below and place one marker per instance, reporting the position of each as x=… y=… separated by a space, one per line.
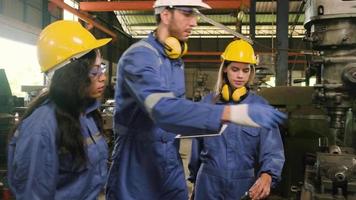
x=137 y=19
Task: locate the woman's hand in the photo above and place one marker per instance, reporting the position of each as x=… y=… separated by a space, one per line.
x=262 y=187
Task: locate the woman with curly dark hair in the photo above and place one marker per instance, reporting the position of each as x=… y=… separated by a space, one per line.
x=57 y=150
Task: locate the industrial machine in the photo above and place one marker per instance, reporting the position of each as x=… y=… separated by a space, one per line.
x=6 y=123
x=320 y=134
x=107 y=114
x=6 y=119
x=200 y=87
x=331 y=29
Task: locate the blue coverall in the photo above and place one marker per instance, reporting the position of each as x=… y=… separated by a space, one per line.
x=33 y=162
x=150 y=110
x=225 y=167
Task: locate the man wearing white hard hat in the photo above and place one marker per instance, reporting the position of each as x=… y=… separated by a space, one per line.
x=151 y=110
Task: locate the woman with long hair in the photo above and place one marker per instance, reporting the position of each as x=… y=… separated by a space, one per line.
x=57 y=150
x=242 y=160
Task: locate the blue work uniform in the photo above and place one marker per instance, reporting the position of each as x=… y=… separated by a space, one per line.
x=226 y=166
x=150 y=110
x=34 y=171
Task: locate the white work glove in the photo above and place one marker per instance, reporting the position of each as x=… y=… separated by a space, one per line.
x=256 y=115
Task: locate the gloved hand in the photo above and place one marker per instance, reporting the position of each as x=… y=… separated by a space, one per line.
x=256 y=115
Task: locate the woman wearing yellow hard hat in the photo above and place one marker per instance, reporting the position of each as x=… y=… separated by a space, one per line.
x=57 y=150
x=243 y=160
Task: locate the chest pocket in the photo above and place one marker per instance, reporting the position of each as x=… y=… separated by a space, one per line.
x=177 y=82
x=97 y=153
x=251 y=131
x=250 y=139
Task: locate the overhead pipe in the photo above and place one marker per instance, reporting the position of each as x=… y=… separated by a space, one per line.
x=84 y=16
x=218 y=53
x=100 y=6
x=188 y=60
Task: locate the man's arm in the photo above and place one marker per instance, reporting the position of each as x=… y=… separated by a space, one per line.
x=143 y=79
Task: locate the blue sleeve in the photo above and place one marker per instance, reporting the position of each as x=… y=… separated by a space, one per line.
x=194 y=161
x=271 y=157
x=32 y=165
x=143 y=79
x=209 y=98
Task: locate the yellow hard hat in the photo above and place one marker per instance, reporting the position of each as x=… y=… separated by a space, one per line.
x=239 y=51
x=63 y=40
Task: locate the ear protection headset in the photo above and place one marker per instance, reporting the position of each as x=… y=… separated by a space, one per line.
x=228 y=95
x=174 y=48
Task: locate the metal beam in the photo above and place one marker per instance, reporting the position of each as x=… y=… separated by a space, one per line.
x=207 y=24
x=282 y=43
x=84 y=16
x=188 y=60
x=253 y=19
x=100 y=6
x=204 y=53
x=259 y=14
x=46 y=16
x=218 y=53
x=201 y=60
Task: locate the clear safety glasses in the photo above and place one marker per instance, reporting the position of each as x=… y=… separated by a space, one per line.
x=97 y=70
x=187 y=11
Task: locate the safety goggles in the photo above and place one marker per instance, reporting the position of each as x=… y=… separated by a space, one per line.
x=97 y=70
x=188 y=11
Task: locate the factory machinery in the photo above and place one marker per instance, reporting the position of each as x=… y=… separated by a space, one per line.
x=320 y=134
x=331 y=29
x=7 y=105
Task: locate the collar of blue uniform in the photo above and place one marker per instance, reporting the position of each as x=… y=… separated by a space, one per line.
x=93 y=107
x=155 y=43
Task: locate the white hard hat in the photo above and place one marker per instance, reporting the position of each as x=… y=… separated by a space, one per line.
x=189 y=3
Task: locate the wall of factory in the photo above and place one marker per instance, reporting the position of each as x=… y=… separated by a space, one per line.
x=21 y=20
x=201 y=76
x=29 y=12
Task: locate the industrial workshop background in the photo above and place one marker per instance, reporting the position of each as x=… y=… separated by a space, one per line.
x=307 y=69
